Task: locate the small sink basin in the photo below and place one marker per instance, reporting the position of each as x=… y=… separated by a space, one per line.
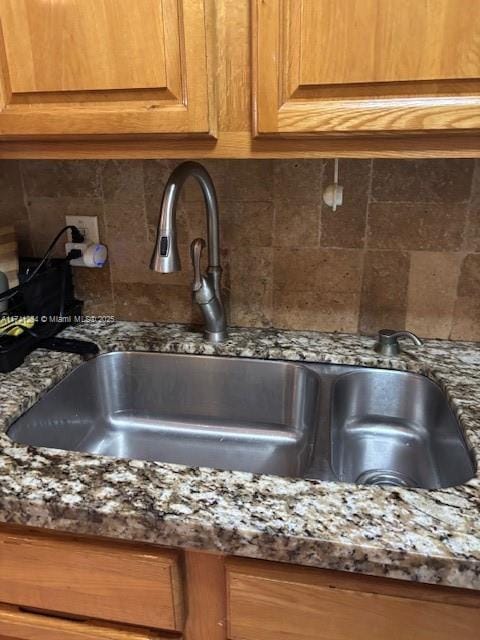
x=317 y=421
x=393 y=427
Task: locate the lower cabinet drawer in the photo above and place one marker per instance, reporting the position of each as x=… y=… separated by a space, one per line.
x=269 y=601
x=130 y=583
x=19 y=625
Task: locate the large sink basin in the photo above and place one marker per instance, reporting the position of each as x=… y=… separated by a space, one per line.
x=315 y=421
x=227 y=413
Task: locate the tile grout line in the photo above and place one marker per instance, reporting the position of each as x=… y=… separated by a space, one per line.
x=365 y=247
x=473 y=184
x=463 y=251
x=144 y=201
x=462 y=254
x=320 y=213
x=105 y=220
x=25 y=199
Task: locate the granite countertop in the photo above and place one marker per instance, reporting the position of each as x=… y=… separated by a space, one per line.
x=411 y=534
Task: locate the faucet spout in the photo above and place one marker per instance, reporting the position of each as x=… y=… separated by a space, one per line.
x=166 y=259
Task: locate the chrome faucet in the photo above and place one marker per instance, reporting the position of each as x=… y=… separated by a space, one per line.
x=165 y=258
x=387 y=341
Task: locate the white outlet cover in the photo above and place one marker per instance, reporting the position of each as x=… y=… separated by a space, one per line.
x=88 y=225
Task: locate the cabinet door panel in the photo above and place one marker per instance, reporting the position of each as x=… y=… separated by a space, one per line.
x=343 y=66
x=269 y=601
x=114 y=47
x=89 y=67
x=128 y=583
x=21 y=625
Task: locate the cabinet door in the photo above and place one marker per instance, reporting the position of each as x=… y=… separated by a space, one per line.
x=91 y=67
x=21 y=625
x=128 y=583
x=365 y=66
x=269 y=601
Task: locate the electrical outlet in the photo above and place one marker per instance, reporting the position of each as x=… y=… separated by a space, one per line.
x=88 y=225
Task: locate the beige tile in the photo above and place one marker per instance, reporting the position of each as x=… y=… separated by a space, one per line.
x=246 y=181
x=251 y=284
x=221 y=176
x=296 y=225
x=153 y=302
x=466 y=324
x=317 y=289
x=469 y=281
x=250 y=308
x=124 y=220
x=318 y=270
x=94 y=287
x=416 y=227
x=130 y=262
x=122 y=182
x=472 y=230
x=299 y=181
x=11 y=190
x=246 y=224
x=384 y=291
x=440 y=180
x=59 y=178
x=191 y=222
x=325 y=311
x=466 y=321
x=471 y=240
x=346 y=227
x=241 y=223
x=12 y=207
x=23 y=235
x=17 y=215
x=46 y=221
x=432 y=290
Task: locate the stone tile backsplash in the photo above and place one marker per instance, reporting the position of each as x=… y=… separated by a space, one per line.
x=402 y=251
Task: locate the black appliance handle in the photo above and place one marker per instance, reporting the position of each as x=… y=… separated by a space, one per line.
x=70 y=345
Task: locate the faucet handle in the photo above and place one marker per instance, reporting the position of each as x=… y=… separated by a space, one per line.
x=196 y=249
x=202 y=286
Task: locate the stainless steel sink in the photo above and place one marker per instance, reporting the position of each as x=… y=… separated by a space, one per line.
x=292 y=419
x=251 y=415
x=395 y=427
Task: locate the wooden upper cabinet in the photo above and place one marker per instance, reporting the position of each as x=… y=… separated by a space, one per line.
x=366 y=66
x=93 y=67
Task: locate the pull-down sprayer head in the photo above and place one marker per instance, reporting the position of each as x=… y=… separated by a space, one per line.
x=165 y=258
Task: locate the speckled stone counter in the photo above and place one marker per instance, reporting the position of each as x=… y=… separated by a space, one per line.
x=427 y=536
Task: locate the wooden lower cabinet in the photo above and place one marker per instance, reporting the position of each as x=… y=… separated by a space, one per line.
x=269 y=601
x=135 y=584
x=20 y=625
x=59 y=587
